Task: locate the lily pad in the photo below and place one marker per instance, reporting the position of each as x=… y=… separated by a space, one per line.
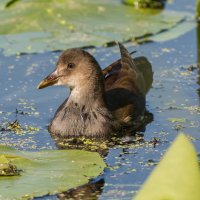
x=174 y=32
x=177 y=176
x=47 y=172
x=35 y=26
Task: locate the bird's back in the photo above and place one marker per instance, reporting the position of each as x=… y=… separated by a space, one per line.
x=127 y=82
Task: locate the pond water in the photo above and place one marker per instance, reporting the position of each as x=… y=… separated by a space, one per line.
x=175 y=94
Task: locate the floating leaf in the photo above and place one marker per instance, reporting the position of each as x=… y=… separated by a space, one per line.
x=175 y=32
x=35 y=26
x=47 y=172
x=177 y=176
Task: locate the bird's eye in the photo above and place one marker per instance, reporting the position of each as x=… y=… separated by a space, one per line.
x=71 y=65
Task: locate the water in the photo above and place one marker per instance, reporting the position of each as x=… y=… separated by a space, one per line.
x=175 y=94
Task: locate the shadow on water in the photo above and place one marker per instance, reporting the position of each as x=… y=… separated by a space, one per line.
x=86 y=192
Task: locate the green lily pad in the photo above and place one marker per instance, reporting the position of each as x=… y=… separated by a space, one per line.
x=47 y=172
x=36 y=26
x=174 y=32
x=177 y=176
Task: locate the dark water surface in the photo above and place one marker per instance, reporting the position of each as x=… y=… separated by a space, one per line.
x=175 y=94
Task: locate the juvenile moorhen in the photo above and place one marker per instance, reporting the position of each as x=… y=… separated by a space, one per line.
x=100 y=102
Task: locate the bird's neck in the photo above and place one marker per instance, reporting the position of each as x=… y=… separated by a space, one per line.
x=90 y=95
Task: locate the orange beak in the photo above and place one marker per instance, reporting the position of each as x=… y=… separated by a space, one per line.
x=51 y=79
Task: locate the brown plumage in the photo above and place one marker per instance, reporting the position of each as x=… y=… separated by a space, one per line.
x=100 y=102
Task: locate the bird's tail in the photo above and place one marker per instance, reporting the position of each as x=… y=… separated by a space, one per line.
x=142 y=68
x=145 y=68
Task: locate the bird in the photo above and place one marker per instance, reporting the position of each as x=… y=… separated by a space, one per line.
x=101 y=102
